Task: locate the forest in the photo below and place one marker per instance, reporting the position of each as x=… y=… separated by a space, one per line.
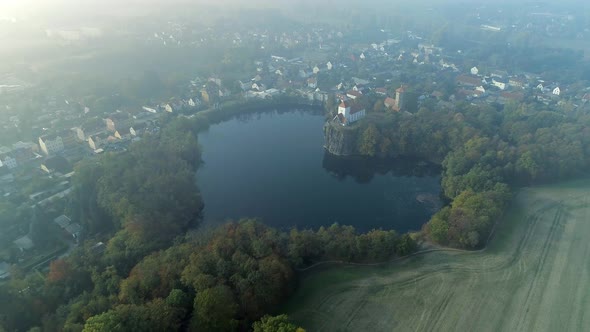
x=486 y=152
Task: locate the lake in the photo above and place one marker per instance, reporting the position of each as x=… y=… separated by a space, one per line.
x=273 y=166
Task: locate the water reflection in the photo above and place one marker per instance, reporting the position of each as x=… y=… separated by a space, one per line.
x=363 y=170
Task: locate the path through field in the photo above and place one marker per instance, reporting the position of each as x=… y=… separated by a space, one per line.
x=534 y=276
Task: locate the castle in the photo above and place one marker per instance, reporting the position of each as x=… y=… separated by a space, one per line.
x=349 y=113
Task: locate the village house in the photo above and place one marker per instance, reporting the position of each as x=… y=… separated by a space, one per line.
x=8 y=161
x=88 y=129
x=466 y=80
x=312 y=82
x=70 y=229
x=352 y=94
x=117 y=120
x=137 y=129
x=389 y=102
x=516 y=82
x=123 y=133
x=381 y=91
x=97 y=141
x=56 y=164
x=499 y=83
x=51 y=144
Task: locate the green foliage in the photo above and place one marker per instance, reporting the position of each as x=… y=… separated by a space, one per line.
x=470 y=219
x=215 y=309
x=154 y=316
x=275 y=324
x=249 y=258
x=368 y=141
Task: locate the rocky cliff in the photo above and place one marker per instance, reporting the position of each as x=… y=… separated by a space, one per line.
x=339 y=140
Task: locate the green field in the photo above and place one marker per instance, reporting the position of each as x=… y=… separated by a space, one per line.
x=534 y=276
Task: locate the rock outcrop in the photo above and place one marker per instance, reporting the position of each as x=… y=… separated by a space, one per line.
x=340 y=140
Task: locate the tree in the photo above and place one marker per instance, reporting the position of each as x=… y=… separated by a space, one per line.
x=215 y=310
x=59 y=270
x=275 y=324
x=368 y=141
x=154 y=316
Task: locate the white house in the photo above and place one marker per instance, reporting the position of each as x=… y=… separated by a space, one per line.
x=540 y=86
x=191 y=103
x=480 y=89
x=312 y=82
x=352 y=94
x=148 y=109
x=349 y=113
x=500 y=85
x=329 y=65
x=362 y=56
x=168 y=108
x=474 y=71
x=97 y=141
x=557 y=91
x=51 y=145
x=316 y=69
x=9 y=162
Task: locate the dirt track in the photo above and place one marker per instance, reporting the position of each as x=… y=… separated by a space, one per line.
x=535 y=276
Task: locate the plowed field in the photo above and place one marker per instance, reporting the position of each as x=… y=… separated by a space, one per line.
x=534 y=276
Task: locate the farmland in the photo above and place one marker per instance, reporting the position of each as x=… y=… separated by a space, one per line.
x=534 y=276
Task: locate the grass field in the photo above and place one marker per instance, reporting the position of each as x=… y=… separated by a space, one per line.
x=534 y=276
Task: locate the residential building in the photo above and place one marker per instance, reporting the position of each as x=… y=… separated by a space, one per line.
x=556 y=91
x=312 y=82
x=99 y=140
x=499 y=84
x=467 y=80
x=117 y=120
x=389 y=102
x=57 y=164
x=516 y=82
x=352 y=94
x=123 y=133
x=8 y=161
x=24 y=243
x=137 y=129
x=381 y=91
x=51 y=144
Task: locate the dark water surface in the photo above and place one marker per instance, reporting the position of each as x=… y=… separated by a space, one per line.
x=273 y=166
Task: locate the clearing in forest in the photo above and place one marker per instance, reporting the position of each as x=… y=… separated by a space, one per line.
x=534 y=276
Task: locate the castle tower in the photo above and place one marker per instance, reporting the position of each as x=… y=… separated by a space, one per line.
x=400 y=94
x=344 y=109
